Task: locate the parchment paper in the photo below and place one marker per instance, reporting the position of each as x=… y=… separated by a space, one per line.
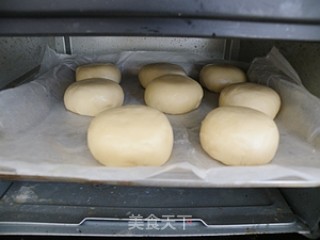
x=39 y=138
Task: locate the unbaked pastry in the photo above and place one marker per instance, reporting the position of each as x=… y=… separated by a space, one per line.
x=106 y=71
x=239 y=136
x=173 y=94
x=92 y=96
x=251 y=95
x=215 y=77
x=132 y=135
x=152 y=71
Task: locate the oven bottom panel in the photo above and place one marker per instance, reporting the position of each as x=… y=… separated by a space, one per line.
x=42 y=208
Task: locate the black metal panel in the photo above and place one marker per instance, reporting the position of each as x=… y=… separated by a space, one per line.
x=287 y=10
x=158 y=27
x=285 y=19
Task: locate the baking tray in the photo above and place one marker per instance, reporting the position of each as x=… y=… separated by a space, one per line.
x=41 y=140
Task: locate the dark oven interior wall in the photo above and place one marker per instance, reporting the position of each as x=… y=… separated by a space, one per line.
x=20 y=55
x=303 y=56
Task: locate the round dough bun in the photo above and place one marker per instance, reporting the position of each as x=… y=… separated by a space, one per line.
x=173 y=94
x=239 y=136
x=106 y=71
x=251 y=95
x=132 y=135
x=92 y=96
x=154 y=70
x=216 y=77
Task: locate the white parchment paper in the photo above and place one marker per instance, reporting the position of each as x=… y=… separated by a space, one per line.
x=39 y=138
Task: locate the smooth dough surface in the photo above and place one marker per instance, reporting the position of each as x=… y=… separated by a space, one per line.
x=106 y=71
x=239 y=136
x=152 y=71
x=251 y=95
x=132 y=135
x=173 y=94
x=215 y=77
x=92 y=96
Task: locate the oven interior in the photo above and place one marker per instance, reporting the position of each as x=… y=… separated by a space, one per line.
x=227 y=31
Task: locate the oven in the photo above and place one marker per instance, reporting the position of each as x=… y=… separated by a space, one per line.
x=49 y=185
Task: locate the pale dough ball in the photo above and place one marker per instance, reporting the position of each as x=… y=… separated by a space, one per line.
x=92 y=96
x=106 y=71
x=216 y=77
x=154 y=70
x=251 y=95
x=173 y=94
x=133 y=135
x=239 y=136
